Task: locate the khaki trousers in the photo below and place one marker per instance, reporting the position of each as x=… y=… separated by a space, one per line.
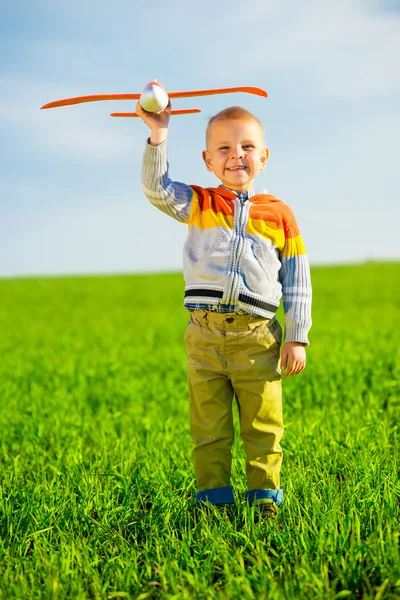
x=235 y=355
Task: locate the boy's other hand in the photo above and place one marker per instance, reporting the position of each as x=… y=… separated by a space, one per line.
x=293 y=358
x=157 y=122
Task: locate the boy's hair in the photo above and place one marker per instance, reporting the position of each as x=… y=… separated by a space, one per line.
x=233 y=113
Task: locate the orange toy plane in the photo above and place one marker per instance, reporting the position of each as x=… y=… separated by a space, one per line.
x=155 y=98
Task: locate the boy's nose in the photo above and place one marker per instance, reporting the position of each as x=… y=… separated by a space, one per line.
x=237 y=152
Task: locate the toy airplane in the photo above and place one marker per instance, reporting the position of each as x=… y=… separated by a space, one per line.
x=154 y=98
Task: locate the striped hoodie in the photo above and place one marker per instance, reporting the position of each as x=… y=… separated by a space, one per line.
x=244 y=251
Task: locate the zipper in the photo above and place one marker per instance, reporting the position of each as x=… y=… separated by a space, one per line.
x=238 y=250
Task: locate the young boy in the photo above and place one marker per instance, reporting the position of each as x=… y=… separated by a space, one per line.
x=243 y=253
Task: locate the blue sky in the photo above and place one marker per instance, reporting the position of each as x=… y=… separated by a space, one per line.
x=70 y=193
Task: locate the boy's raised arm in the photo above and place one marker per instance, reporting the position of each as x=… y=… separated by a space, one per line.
x=171 y=197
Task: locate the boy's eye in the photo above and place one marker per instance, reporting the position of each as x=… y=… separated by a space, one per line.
x=246 y=147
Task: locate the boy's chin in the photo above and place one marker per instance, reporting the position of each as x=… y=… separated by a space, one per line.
x=236 y=185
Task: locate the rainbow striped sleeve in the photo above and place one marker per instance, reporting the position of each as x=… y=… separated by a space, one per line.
x=294 y=276
x=171 y=197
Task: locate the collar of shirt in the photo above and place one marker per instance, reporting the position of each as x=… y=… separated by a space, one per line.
x=241 y=195
x=249 y=193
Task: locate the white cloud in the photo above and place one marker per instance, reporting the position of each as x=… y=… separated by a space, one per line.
x=80 y=132
x=105 y=238
x=345 y=48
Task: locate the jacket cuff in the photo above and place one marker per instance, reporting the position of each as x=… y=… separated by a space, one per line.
x=154 y=163
x=296 y=333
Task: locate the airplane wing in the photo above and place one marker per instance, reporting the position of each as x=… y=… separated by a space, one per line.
x=93 y=98
x=189 y=94
x=231 y=90
x=173 y=112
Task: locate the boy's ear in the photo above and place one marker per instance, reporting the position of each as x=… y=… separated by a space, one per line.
x=264 y=158
x=207 y=160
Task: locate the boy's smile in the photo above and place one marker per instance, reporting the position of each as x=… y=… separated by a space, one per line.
x=236 y=152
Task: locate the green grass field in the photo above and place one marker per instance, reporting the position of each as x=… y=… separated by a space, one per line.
x=96 y=482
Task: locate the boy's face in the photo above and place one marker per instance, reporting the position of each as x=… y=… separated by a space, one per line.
x=236 y=153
